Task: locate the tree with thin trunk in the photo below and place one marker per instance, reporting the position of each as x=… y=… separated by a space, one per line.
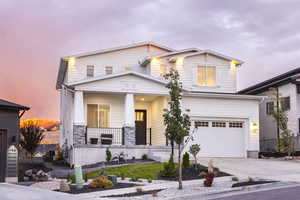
x=286 y=141
x=177 y=123
x=31 y=136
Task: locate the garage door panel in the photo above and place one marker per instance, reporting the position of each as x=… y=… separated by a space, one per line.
x=221 y=140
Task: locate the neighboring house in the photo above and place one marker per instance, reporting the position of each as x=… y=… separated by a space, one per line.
x=287 y=86
x=9 y=138
x=116 y=96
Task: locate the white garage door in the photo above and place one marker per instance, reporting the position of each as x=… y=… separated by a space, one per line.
x=220 y=138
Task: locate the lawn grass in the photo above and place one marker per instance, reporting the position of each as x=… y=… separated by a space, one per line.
x=145 y=170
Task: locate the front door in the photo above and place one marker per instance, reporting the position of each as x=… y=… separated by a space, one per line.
x=3 y=153
x=140 y=127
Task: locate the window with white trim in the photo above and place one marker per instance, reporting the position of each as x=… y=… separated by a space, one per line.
x=219 y=124
x=201 y=124
x=90 y=70
x=108 y=70
x=98 y=115
x=206 y=76
x=235 y=124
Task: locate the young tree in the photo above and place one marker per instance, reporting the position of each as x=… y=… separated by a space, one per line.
x=31 y=136
x=286 y=141
x=194 y=150
x=177 y=123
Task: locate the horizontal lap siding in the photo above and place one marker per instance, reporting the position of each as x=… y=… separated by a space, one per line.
x=66 y=116
x=117 y=59
x=226 y=108
x=158 y=128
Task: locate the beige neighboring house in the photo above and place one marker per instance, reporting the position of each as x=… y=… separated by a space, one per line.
x=115 y=98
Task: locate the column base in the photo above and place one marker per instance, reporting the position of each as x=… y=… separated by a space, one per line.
x=79 y=134
x=129 y=135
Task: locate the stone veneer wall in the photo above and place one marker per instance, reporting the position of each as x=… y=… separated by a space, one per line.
x=129 y=135
x=79 y=134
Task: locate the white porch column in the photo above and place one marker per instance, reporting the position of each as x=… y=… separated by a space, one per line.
x=78 y=108
x=129 y=122
x=129 y=110
x=79 y=129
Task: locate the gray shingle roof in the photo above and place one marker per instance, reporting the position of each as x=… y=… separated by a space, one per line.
x=10 y=105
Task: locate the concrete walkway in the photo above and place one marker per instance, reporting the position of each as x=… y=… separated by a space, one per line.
x=17 y=192
x=258 y=168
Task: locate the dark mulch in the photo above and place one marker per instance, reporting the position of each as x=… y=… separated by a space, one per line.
x=129 y=161
x=193 y=173
x=277 y=154
x=136 y=194
x=240 y=184
x=86 y=188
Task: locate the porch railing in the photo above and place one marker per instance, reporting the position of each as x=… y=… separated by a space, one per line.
x=113 y=136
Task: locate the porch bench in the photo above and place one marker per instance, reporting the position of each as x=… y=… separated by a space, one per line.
x=106 y=139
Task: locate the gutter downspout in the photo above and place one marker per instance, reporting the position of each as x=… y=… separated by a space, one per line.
x=277 y=120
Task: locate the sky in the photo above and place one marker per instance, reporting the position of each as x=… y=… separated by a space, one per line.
x=34 y=34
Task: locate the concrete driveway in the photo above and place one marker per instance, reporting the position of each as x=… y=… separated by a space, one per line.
x=17 y=192
x=258 y=168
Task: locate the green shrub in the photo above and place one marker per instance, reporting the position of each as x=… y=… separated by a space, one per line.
x=250 y=180
x=135 y=179
x=186 y=160
x=149 y=180
x=144 y=157
x=235 y=178
x=122 y=175
x=101 y=182
x=108 y=155
x=169 y=169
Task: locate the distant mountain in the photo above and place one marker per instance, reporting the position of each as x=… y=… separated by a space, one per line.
x=43 y=123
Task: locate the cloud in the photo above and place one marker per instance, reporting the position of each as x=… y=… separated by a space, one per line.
x=34 y=34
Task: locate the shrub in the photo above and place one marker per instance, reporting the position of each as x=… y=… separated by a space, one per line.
x=194 y=150
x=149 y=180
x=134 y=179
x=169 y=169
x=186 y=160
x=101 y=182
x=235 y=178
x=139 y=190
x=108 y=155
x=209 y=178
x=250 y=180
x=122 y=176
x=144 y=157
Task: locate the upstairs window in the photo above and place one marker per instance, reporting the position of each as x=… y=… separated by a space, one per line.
x=90 y=70
x=108 y=70
x=270 y=107
x=285 y=103
x=206 y=76
x=162 y=70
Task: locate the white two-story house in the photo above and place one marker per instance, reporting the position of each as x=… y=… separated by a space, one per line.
x=287 y=87
x=115 y=98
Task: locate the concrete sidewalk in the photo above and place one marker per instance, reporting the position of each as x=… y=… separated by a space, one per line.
x=17 y=192
x=279 y=170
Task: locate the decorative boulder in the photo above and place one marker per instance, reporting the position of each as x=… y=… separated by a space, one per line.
x=28 y=172
x=64 y=186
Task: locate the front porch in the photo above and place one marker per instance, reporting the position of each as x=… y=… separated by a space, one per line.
x=118 y=119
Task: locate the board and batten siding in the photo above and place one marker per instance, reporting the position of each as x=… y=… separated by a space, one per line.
x=246 y=110
x=119 y=60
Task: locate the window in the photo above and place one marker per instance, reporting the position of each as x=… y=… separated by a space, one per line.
x=285 y=103
x=162 y=70
x=206 y=76
x=235 y=124
x=201 y=124
x=97 y=116
x=270 y=107
x=108 y=70
x=219 y=124
x=90 y=70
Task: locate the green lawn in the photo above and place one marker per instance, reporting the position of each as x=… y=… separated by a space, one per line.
x=145 y=170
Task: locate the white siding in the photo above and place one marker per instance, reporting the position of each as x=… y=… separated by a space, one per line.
x=246 y=110
x=117 y=59
x=66 y=117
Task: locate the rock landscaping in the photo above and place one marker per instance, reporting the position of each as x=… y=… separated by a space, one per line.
x=36 y=175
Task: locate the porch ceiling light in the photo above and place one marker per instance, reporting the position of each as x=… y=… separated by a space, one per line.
x=142 y=99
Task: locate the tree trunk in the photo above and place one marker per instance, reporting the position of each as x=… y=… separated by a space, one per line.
x=180 y=168
x=172 y=149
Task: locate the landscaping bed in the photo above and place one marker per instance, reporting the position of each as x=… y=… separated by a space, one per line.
x=87 y=189
x=152 y=192
x=247 y=183
x=127 y=161
x=151 y=171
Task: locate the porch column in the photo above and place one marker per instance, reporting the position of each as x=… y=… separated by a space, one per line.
x=129 y=125
x=79 y=129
